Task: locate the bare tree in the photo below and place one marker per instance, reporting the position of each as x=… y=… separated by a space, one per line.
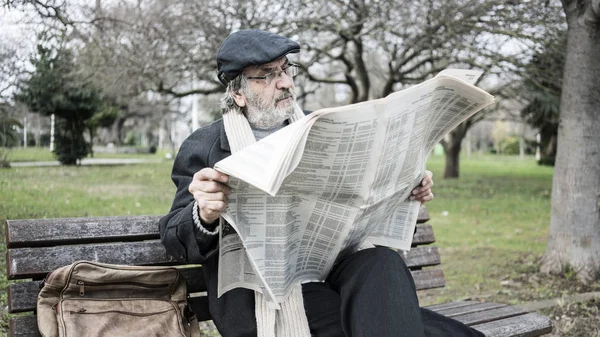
x=132 y=48
x=376 y=47
x=574 y=240
x=170 y=46
x=371 y=48
x=8 y=69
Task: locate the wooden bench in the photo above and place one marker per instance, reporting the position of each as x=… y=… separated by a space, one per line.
x=36 y=247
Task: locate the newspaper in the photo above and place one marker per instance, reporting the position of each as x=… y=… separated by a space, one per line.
x=333 y=181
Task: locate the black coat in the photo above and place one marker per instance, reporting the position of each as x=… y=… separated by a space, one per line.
x=234 y=312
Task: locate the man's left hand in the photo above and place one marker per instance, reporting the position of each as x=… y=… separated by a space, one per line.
x=423 y=193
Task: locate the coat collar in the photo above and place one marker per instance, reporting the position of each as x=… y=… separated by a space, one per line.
x=224 y=140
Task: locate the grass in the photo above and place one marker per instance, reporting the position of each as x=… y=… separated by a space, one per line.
x=44 y=192
x=498 y=210
x=491 y=224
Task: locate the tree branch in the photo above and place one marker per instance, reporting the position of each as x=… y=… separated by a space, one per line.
x=179 y=94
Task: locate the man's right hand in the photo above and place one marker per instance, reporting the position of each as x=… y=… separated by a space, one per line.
x=209 y=188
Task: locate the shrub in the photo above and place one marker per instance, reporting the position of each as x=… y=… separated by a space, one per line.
x=510 y=145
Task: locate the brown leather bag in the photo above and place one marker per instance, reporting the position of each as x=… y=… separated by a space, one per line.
x=90 y=299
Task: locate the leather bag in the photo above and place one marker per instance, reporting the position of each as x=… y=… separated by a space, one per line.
x=90 y=299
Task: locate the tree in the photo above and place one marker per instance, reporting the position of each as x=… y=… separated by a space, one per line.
x=499 y=133
x=8 y=69
x=350 y=44
x=8 y=121
x=9 y=136
x=11 y=69
x=131 y=50
x=574 y=240
x=105 y=117
x=55 y=88
x=370 y=48
x=542 y=85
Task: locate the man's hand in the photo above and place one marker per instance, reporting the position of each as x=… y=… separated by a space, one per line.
x=209 y=188
x=423 y=193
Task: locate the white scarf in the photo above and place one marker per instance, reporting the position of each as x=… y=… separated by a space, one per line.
x=290 y=320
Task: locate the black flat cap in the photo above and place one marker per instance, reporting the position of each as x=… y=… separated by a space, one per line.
x=250 y=47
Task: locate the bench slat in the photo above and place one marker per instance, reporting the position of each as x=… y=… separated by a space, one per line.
x=22 y=296
x=496 y=320
x=423 y=216
x=428 y=278
x=475 y=307
x=65 y=231
x=49 y=232
x=423 y=236
x=422 y=257
x=456 y=304
x=471 y=313
x=485 y=316
x=24 y=326
x=37 y=262
x=528 y=325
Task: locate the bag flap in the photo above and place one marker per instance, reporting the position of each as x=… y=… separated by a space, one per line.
x=108 y=273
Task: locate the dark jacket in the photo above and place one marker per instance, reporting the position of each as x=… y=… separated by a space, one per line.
x=233 y=313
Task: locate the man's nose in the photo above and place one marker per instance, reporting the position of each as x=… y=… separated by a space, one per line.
x=284 y=81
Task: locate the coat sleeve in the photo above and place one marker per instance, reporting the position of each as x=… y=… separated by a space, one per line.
x=178 y=232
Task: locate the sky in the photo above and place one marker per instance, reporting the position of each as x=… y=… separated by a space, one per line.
x=14 y=27
x=18 y=34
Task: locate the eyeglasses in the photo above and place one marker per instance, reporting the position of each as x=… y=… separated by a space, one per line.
x=290 y=69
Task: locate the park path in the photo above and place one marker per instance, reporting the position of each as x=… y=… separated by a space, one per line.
x=89 y=161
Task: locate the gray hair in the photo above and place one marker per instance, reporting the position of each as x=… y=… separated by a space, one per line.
x=236 y=85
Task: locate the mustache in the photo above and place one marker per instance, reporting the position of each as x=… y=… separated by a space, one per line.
x=285 y=94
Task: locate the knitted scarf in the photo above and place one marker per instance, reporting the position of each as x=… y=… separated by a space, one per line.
x=290 y=320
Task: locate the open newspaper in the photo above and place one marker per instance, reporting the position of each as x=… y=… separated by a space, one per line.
x=333 y=181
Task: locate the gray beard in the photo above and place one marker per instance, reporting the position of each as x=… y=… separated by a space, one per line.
x=263 y=114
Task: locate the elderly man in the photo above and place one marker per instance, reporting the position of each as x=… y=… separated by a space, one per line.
x=367 y=293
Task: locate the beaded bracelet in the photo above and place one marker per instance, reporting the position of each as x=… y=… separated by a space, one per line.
x=199 y=224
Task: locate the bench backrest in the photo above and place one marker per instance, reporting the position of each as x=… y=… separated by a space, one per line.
x=36 y=247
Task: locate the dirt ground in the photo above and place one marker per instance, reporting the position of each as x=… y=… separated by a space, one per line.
x=571 y=317
x=576 y=319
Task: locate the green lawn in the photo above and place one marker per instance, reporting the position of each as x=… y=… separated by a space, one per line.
x=45 y=192
x=497 y=211
x=491 y=224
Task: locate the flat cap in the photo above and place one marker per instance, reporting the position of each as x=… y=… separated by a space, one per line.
x=250 y=47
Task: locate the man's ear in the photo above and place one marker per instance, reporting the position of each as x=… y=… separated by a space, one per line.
x=240 y=99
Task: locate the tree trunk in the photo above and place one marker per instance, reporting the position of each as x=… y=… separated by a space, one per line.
x=362 y=72
x=452 y=161
x=91 y=133
x=452 y=145
x=116 y=131
x=574 y=240
x=522 y=142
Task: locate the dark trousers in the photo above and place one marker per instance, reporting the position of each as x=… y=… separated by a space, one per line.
x=369 y=293
x=372 y=293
